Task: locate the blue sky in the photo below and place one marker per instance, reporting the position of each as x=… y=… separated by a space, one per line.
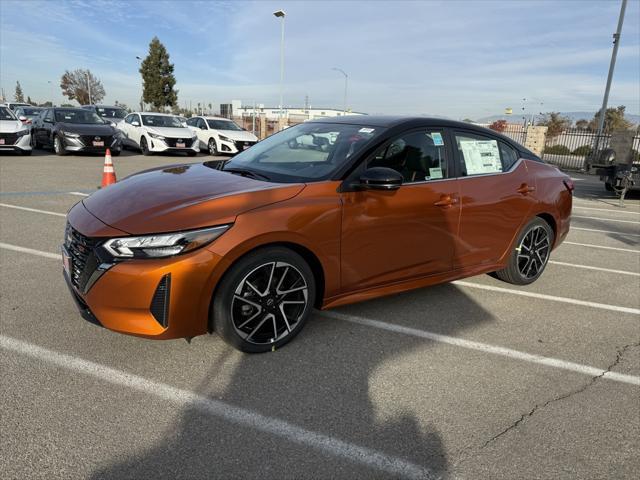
x=451 y=58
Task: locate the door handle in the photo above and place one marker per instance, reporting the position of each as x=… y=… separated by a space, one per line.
x=525 y=189
x=446 y=201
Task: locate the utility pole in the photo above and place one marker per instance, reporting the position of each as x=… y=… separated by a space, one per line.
x=612 y=65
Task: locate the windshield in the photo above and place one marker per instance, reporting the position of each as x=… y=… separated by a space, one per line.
x=111 y=112
x=161 y=121
x=78 y=116
x=306 y=152
x=6 y=114
x=29 y=111
x=223 y=125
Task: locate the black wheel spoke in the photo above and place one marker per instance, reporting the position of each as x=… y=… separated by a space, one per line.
x=533 y=252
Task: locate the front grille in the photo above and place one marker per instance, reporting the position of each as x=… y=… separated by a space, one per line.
x=241 y=145
x=88 y=140
x=9 y=138
x=160 y=302
x=171 y=142
x=82 y=255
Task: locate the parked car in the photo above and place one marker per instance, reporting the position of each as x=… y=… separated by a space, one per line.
x=13 y=105
x=158 y=132
x=394 y=204
x=14 y=135
x=113 y=114
x=220 y=135
x=27 y=114
x=75 y=130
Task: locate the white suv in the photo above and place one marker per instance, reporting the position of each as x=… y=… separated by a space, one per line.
x=221 y=135
x=158 y=132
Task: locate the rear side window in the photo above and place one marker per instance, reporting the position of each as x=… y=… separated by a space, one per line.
x=508 y=156
x=479 y=155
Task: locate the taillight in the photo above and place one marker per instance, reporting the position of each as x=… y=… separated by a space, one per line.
x=569 y=184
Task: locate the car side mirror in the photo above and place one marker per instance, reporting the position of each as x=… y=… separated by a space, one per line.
x=22 y=118
x=380 y=178
x=135 y=123
x=203 y=127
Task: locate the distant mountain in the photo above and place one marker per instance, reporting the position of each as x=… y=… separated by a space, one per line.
x=574 y=116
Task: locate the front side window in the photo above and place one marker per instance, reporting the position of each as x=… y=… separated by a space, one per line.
x=306 y=152
x=479 y=155
x=6 y=114
x=419 y=156
x=191 y=122
x=161 y=121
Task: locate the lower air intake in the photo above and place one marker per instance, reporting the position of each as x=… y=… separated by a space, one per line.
x=160 y=302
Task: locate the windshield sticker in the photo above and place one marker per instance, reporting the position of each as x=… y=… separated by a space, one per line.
x=481 y=156
x=366 y=130
x=437 y=139
x=435 y=173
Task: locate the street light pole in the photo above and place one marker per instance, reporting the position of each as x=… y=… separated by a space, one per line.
x=88 y=87
x=51 y=91
x=141 y=89
x=612 y=65
x=346 y=84
x=280 y=14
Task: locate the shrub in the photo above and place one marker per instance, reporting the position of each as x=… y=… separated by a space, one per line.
x=558 y=150
x=583 y=151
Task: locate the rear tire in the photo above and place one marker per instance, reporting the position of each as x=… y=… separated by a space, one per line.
x=264 y=300
x=529 y=259
x=144 y=147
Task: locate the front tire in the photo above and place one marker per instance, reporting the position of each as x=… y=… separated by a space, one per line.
x=144 y=147
x=212 y=147
x=608 y=187
x=264 y=300
x=529 y=259
x=25 y=153
x=58 y=146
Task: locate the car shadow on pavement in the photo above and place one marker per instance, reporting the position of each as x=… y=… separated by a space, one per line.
x=323 y=382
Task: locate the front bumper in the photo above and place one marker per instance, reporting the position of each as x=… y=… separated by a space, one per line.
x=234 y=146
x=157 y=145
x=72 y=144
x=22 y=143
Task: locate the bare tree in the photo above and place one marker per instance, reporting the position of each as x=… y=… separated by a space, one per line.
x=82 y=86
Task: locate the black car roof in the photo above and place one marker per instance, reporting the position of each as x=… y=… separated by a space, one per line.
x=390 y=121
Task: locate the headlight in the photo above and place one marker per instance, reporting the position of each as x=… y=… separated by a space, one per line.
x=22 y=133
x=162 y=245
x=224 y=139
x=155 y=135
x=71 y=135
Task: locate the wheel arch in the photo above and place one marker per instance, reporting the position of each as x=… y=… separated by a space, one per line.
x=308 y=256
x=550 y=219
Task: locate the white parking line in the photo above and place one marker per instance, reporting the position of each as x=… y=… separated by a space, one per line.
x=31 y=251
x=80 y=194
x=26 y=209
x=553 y=298
x=606 y=219
x=630 y=250
x=606 y=210
x=605 y=231
x=486 y=348
x=393 y=466
x=599 y=269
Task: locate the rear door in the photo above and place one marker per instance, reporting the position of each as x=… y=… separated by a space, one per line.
x=496 y=194
x=410 y=232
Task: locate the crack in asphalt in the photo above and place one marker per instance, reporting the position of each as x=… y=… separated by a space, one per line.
x=620 y=353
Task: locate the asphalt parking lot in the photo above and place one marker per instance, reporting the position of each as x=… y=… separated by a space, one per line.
x=474 y=379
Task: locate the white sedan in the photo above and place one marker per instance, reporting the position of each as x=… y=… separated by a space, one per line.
x=14 y=135
x=220 y=135
x=158 y=132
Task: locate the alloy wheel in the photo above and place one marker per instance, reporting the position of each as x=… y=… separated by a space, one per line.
x=533 y=252
x=269 y=302
x=56 y=145
x=213 y=150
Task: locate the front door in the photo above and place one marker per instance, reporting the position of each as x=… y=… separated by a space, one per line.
x=496 y=195
x=396 y=235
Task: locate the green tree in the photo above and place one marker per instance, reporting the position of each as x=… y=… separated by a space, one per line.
x=613 y=120
x=82 y=86
x=467 y=120
x=29 y=101
x=18 y=96
x=555 y=123
x=157 y=77
x=582 y=124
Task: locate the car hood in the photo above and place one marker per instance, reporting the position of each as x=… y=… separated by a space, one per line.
x=241 y=135
x=182 y=197
x=171 y=132
x=10 y=126
x=86 y=128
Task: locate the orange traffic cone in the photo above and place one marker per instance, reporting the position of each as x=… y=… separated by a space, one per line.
x=109 y=173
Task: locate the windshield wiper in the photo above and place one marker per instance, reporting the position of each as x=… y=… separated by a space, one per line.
x=247 y=173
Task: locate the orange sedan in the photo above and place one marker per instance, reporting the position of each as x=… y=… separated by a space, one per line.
x=322 y=214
